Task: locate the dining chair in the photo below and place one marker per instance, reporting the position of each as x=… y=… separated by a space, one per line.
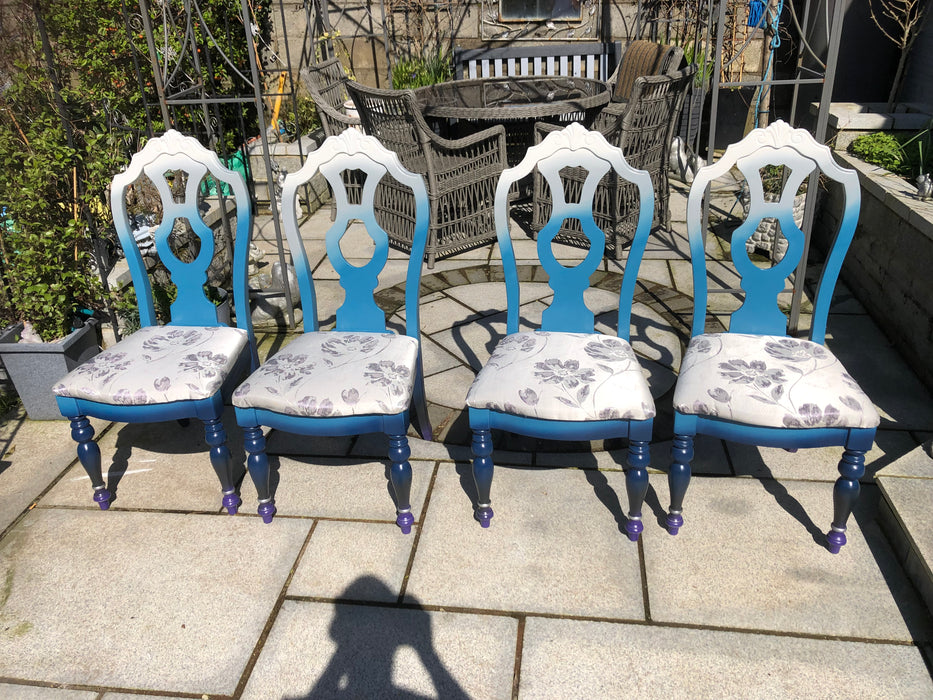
x=359 y=377
x=182 y=369
x=460 y=174
x=754 y=383
x=643 y=128
x=565 y=380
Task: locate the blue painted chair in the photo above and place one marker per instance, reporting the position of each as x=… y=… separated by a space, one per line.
x=565 y=381
x=754 y=384
x=360 y=377
x=180 y=370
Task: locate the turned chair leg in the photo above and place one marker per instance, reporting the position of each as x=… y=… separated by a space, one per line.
x=678 y=478
x=257 y=463
x=845 y=493
x=482 y=474
x=636 y=484
x=400 y=476
x=222 y=461
x=89 y=455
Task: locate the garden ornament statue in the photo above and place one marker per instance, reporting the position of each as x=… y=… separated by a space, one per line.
x=924 y=187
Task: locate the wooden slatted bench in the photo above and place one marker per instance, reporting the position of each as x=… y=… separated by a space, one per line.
x=596 y=60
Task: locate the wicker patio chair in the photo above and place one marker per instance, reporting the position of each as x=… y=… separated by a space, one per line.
x=327 y=84
x=642 y=128
x=642 y=57
x=460 y=174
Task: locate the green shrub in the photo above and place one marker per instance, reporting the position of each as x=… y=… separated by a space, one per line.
x=906 y=155
x=418 y=72
x=880 y=148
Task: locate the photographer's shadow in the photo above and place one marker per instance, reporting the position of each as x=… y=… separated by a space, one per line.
x=368 y=639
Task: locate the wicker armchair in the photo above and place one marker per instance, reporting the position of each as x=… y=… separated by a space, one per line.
x=642 y=128
x=327 y=84
x=642 y=57
x=461 y=175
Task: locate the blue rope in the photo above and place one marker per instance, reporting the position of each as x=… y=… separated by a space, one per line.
x=775 y=22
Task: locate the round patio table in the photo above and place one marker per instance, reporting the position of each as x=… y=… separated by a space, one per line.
x=462 y=107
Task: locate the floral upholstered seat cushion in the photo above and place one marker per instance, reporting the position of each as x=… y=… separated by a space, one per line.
x=335 y=373
x=563 y=376
x=158 y=364
x=770 y=381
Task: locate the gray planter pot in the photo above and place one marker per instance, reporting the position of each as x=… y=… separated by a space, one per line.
x=35 y=367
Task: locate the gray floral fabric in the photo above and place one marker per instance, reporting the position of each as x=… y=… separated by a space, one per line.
x=334 y=373
x=770 y=381
x=563 y=376
x=158 y=364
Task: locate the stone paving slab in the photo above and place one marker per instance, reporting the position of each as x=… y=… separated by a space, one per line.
x=154 y=465
x=435 y=359
x=136 y=601
x=34 y=454
x=449 y=388
x=490 y=297
x=339 y=553
x=32 y=692
x=567 y=658
x=438 y=315
x=880 y=370
x=351 y=489
x=325 y=650
x=555 y=545
x=657 y=271
x=816 y=463
x=747 y=558
x=281 y=443
x=135 y=696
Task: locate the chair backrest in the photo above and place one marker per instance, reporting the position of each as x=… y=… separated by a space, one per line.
x=573 y=147
x=643 y=57
x=796 y=149
x=327 y=83
x=353 y=151
x=162 y=159
x=393 y=117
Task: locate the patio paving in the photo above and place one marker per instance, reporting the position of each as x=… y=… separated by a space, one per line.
x=165 y=596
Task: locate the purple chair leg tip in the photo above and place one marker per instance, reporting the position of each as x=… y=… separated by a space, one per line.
x=674 y=523
x=634 y=528
x=266 y=510
x=405 y=521
x=102 y=498
x=232 y=503
x=483 y=515
x=835 y=541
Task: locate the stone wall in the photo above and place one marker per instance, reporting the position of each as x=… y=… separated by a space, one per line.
x=472 y=22
x=889 y=263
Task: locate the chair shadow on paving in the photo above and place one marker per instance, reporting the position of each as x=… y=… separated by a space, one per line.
x=605 y=494
x=168 y=438
x=368 y=639
x=790 y=504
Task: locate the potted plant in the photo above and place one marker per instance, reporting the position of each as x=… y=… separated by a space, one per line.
x=46 y=277
x=56 y=156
